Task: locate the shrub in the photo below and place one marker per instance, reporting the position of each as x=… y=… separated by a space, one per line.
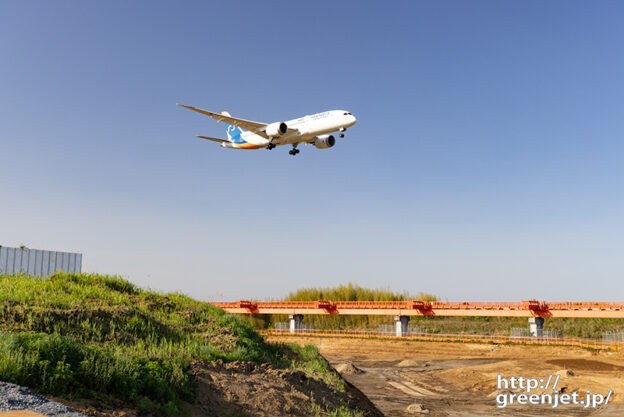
x=59 y=365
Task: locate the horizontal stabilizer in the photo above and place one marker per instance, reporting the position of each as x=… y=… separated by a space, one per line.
x=213 y=139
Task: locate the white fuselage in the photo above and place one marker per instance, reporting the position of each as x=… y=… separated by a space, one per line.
x=305 y=129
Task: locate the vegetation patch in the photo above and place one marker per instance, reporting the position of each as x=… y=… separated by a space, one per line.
x=95 y=336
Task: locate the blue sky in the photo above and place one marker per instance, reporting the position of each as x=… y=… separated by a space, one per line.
x=486 y=163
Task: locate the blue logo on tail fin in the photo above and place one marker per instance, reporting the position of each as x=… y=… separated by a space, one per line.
x=234 y=134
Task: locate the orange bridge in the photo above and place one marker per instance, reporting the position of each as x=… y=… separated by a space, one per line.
x=530 y=308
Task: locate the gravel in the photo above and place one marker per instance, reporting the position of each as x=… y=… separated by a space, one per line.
x=13 y=398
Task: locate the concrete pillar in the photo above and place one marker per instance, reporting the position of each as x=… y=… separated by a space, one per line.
x=402 y=325
x=536 y=326
x=295 y=322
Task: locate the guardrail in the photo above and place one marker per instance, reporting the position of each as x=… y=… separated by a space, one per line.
x=465 y=338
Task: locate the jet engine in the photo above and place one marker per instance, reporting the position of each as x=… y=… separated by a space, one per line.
x=324 y=141
x=276 y=129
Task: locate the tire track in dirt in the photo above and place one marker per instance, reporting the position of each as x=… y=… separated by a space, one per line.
x=456 y=379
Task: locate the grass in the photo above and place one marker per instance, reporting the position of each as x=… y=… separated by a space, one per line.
x=95 y=336
x=59 y=365
x=343 y=411
x=309 y=360
x=353 y=292
x=104 y=310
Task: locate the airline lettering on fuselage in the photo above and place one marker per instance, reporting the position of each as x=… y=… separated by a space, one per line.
x=320 y=115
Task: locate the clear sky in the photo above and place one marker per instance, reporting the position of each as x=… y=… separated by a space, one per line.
x=487 y=162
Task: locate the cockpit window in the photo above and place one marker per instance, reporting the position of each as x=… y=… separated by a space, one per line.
x=346 y=114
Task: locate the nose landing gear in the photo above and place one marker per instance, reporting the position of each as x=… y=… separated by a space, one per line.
x=342 y=130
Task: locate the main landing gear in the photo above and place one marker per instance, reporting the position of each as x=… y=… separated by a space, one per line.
x=294 y=151
x=270 y=146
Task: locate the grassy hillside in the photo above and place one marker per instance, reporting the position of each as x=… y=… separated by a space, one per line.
x=93 y=336
x=590 y=328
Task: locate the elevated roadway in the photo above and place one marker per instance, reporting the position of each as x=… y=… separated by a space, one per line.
x=536 y=311
x=530 y=308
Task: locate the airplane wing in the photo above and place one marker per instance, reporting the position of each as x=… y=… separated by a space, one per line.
x=213 y=139
x=255 y=127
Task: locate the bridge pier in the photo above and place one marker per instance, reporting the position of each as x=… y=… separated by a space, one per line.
x=536 y=326
x=402 y=325
x=295 y=322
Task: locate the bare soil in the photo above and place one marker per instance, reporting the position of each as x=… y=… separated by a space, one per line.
x=105 y=407
x=459 y=379
x=240 y=389
x=247 y=389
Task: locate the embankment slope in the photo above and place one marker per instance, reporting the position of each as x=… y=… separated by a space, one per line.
x=102 y=345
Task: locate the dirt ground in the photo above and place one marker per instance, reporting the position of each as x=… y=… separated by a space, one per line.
x=459 y=379
x=246 y=389
x=240 y=389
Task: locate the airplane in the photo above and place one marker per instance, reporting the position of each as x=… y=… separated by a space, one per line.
x=312 y=129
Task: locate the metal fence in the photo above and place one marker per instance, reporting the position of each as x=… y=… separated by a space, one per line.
x=285 y=327
x=518 y=332
x=469 y=338
x=613 y=337
x=523 y=332
x=390 y=330
x=39 y=263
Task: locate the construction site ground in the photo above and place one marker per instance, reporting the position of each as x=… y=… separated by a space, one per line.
x=459 y=379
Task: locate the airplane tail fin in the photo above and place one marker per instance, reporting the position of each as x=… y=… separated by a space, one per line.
x=233 y=132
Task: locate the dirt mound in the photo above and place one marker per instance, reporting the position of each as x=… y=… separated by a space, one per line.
x=565 y=372
x=348 y=369
x=244 y=388
x=417 y=409
x=409 y=363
